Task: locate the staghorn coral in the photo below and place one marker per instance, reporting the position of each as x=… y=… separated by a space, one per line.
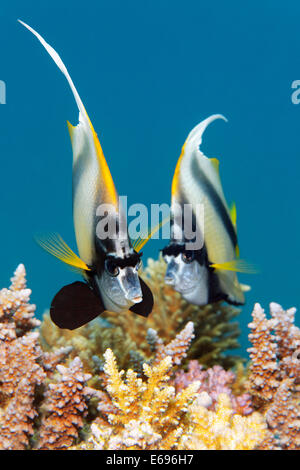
x=283 y=418
x=20 y=373
x=46 y=403
x=26 y=373
x=128 y=334
x=65 y=406
x=287 y=340
x=176 y=349
x=88 y=342
x=263 y=380
x=79 y=343
x=274 y=375
x=150 y=414
x=214 y=381
x=142 y=415
x=24 y=315
x=222 y=429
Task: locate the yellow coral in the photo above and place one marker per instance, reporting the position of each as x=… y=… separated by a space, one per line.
x=150 y=415
x=224 y=430
x=145 y=414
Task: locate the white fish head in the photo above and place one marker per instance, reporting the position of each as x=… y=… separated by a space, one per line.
x=187 y=277
x=120 y=287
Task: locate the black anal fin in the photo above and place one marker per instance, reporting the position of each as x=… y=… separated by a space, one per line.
x=145 y=307
x=75 y=305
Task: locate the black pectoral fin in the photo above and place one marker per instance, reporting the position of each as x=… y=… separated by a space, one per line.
x=145 y=307
x=75 y=305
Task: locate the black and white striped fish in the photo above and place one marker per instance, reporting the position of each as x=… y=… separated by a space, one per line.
x=206 y=274
x=109 y=265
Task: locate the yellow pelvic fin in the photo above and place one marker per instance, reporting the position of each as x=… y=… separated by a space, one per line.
x=237 y=265
x=141 y=241
x=55 y=245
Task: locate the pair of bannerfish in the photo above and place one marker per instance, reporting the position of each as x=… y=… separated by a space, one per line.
x=110 y=266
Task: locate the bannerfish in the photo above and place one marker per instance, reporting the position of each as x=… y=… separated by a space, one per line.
x=206 y=274
x=108 y=265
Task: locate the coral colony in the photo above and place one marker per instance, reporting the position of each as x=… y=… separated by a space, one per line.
x=125 y=383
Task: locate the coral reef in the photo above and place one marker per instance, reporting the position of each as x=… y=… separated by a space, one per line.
x=28 y=382
x=20 y=372
x=275 y=374
x=214 y=381
x=65 y=406
x=224 y=430
x=141 y=415
x=129 y=335
x=150 y=415
x=64 y=390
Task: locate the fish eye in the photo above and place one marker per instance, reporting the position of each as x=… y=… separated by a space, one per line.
x=111 y=268
x=187 y=257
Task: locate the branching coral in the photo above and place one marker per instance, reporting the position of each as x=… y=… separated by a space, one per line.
x=224 y=430
x=24 y=315
x=142 y=415
x=46 y=403
x=263 y=381
x=26 y=371
x=65 y=407
x=214 y=381
x=274 y=374
x=20 y=372
x=150 y=415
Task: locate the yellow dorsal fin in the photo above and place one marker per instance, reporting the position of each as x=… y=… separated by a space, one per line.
x=216 y=164
x=141 y=241
x=70 y=129
x=233 y=213
x=175 y=181
x=55 y=245
x=106 y=175
x=237 y=265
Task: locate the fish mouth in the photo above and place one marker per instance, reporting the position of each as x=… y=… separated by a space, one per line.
x=134 y=296
x=186 y=290
x=170 y=281
x=137 y=299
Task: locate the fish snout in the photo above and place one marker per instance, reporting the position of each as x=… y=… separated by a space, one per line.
x=171 y=275
x=170 y=280
x=132 y=287
x=134 y=295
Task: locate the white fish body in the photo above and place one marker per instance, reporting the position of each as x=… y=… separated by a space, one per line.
x=109 y=265
x=197 y=181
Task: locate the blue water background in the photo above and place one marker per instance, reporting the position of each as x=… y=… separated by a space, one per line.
x=147 y=72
